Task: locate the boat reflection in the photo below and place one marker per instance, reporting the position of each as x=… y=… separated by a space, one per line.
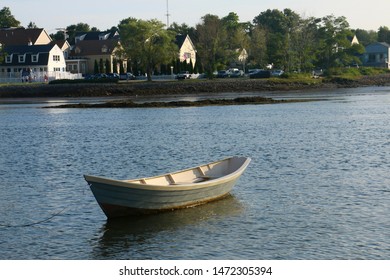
x=122 y=236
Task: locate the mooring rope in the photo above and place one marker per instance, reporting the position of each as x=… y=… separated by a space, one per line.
x=34 y=223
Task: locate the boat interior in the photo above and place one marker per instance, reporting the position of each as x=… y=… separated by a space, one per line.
x=194 y=175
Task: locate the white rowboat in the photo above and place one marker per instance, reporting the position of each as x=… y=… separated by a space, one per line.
x=180 y=189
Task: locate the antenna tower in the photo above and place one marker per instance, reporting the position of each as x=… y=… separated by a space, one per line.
x=167 y=14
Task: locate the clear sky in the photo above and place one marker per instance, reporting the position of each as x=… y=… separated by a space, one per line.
x=103 y=14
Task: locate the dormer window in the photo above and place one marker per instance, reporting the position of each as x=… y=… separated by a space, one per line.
x=8 y=59
x=104 y=49
x=104 y=36
x=34 y=58
x=21 y=58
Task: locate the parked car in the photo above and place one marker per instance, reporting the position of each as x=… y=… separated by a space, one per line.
x=277 y=73
x=223 y=74
x=260 y=74
x=113 y=76
x=126 y=76
x=236 y=73
x=183 y=75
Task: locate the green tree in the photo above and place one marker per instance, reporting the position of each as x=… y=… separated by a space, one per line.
x=280 y=28
x=32 y=25
x=211 y=39
x=96 y=67
x=147 y=43
x=258 y=47
x=304 y=45
x=237 y=38
x=101 y=66
x=184 y=29
x=334 y=42
x=7 y=19
x=107 y=66
x=384 y=34
x=366 y=37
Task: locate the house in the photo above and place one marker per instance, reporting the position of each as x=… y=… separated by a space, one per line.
x=187 y=51
x=377 y=55
x=24 y=37
x=36 y=62
x=64 y=46
x=86 y=53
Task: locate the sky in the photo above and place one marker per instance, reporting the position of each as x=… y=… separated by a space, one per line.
x=104 y=14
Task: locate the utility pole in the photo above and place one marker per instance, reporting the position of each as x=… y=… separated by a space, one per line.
x=167 y=14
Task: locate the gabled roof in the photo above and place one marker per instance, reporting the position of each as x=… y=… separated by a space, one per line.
x=22 y=36
x=180 y=39
x=86 y=48
x=377 y=47
x=62 y=44
x=28 y=51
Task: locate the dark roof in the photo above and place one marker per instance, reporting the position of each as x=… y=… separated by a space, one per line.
x=59 y=43
x=42 y=51
x=97 y=35
x=85 y=48
x=377 y=47
x=19 y=36
x=180 y=40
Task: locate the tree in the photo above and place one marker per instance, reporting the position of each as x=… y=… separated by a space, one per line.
x=384 y=34
x=279 y=27
x=304 y=45
x=71 y=31
x=147 y=43
x=211 y=39
x=32 y=25
x=96 y=67
x=258 y=47
x=333 y=34
x=366 y=37
x=183 y=29
x=107 y=66
x=7 y=19
x=236 y=37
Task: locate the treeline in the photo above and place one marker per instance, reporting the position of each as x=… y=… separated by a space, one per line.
x=283 y=39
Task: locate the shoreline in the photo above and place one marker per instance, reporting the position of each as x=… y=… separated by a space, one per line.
x=146 y=90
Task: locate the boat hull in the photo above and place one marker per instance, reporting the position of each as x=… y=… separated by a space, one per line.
x=123 y=198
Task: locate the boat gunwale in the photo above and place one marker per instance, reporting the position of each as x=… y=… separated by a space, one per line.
x=172 y=187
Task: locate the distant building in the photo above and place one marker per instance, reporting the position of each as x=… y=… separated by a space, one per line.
x=377 y=55
x=30 y=54
x=32 y=62
x=91 y=48
x=187 y=51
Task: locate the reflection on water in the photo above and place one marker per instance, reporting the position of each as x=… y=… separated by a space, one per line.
x=119 y=235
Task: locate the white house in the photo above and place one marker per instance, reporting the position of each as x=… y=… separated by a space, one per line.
x=34 y=62
x=187 y=51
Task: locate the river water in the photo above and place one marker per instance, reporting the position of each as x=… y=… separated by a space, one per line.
x=318 y=186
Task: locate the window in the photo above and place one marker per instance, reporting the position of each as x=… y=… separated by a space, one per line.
x=34 y=58
x=21 y=58
x=8 y=58
x=56 y=58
